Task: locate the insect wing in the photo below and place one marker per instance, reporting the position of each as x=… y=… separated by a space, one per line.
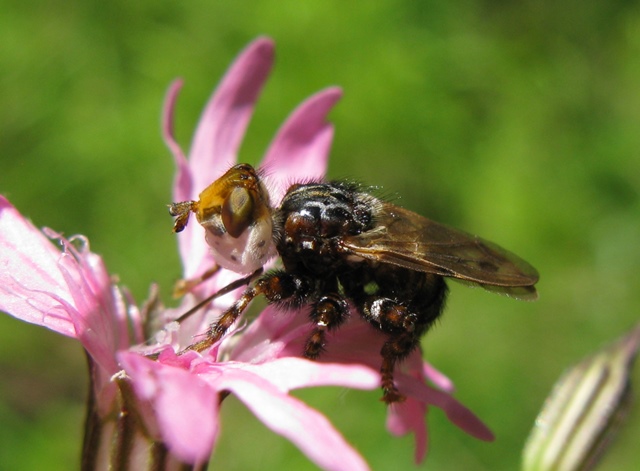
x=404 y=238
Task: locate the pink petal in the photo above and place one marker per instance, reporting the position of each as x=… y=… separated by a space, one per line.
x=186 y=408
x=437 y=377
x=68 y=291
x=31 y=281
x=301 y=147
x=97 y=310
x=226 y=116
x=183 y=184
x=455 y=411
x=303 y=426
x=406 y=417
x=217 y=139
x=293 y=373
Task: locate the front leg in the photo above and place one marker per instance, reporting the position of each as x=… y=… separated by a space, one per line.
x=277 y=287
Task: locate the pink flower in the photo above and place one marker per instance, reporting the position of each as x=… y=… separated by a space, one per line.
x=178 y=397
x=173 y=402
x=71 y=293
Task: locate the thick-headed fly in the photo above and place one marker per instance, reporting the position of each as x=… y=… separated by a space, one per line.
x=343 y=249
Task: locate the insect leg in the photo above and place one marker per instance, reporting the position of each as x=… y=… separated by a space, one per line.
x=396 y=348
x=401 y=325
x=328 y=313
x=226 y=320
x=183 y=286
x=277 y=286
x=221 y=292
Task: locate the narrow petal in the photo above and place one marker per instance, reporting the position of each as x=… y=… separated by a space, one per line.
x=302 y=145
x=303 y=426
x=437 y=377
x=186 y=408
x=293 y=373
x=407 y=417
x=455 y=411
x=183 y=184
x=217 y=139
x=226 y=116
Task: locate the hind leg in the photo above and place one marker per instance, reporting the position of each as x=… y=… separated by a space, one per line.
x=395 y=349
x=403 y=330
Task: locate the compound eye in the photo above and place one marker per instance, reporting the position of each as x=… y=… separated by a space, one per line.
x=237 y=211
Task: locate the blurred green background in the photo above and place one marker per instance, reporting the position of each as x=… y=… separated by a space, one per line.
x=518 y=121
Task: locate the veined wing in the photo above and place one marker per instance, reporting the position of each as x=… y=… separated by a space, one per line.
x=404 y=238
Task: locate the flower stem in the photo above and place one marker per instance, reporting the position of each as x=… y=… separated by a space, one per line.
x=120 y=441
